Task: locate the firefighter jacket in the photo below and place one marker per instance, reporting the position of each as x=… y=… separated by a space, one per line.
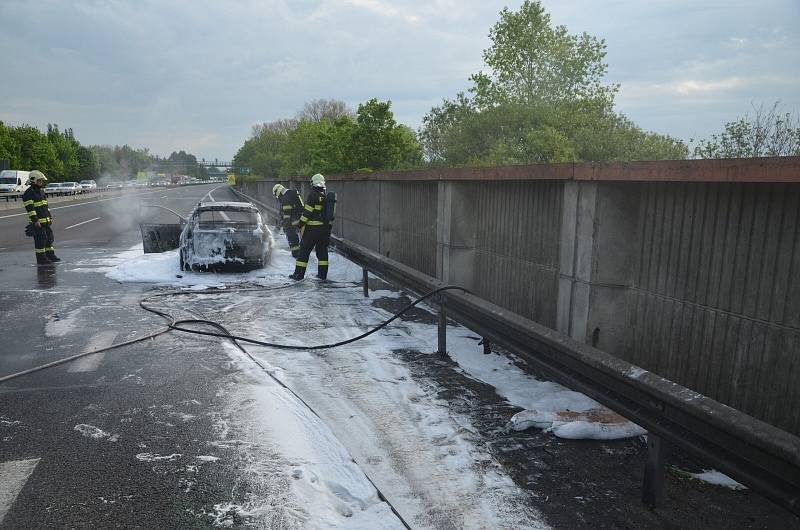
x=291 y=207
x=35 y=202
x=312 y=211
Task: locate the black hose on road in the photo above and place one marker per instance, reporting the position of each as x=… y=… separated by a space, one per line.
x=174 y=324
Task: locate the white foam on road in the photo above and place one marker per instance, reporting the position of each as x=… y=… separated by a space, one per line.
x=13 y=476
x=716 y=478
x=95 y=433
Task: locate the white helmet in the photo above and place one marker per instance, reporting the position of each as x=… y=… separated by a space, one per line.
x=318 y=181
x=36 y=175
x=277 y=189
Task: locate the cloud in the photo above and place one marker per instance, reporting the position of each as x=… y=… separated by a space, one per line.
x=692 y=87
x=385 y=9
x=195 y=74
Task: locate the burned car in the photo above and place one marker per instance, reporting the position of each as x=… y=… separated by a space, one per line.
x=216 y=236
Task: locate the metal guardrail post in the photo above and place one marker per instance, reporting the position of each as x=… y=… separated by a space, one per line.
x=442 y=325
x=365 y=280
x=654 y=470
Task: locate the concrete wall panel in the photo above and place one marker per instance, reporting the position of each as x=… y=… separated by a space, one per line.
x=717 y=300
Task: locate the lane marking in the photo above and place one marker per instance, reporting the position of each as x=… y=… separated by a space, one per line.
x=90 y=363
x=83 y=223
x=13 y=476
x=222 y=214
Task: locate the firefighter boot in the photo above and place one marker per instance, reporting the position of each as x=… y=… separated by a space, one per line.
x=51 y=255
x=299 y=270
x=41 y=259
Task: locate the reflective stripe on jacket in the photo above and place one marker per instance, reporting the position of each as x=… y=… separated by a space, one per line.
x=291 y=206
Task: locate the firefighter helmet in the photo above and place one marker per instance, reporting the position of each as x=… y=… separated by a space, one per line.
x=277 y=189
x=318 y=181
x=36 y=175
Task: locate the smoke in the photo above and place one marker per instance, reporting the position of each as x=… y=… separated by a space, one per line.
x=127 y=213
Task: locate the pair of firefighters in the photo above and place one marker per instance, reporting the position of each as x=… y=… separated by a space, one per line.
x=312 y=219
x=40 y=219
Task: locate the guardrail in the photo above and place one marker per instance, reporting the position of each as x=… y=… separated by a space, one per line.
x=8 y=195
x=757 y=454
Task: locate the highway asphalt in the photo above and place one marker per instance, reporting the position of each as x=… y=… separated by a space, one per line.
x=117 y=439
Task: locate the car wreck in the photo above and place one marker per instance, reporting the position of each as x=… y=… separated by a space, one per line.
x=217 y=236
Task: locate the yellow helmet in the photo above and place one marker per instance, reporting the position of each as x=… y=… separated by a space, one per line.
x=36 y=175
x=277 y=189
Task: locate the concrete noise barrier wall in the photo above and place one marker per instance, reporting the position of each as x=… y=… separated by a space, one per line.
x=690 y=269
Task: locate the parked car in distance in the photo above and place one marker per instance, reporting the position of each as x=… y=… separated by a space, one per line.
x=225 y=235
x=88 y=185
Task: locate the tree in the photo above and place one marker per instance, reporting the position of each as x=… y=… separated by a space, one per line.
x=9 y=147
x=542 y=100
x=769 y=133
x=66 y=148
x=530 y=61
x=262 y=151
x=379 y=143
x=325 y=109
x=89 y=165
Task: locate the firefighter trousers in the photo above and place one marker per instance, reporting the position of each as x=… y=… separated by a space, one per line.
x=314 y=238
x=43 y=239
x=292 y=237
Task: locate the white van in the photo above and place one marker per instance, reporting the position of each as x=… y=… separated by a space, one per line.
x=13 y=181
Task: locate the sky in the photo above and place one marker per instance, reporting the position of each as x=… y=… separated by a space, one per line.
x=198 y=74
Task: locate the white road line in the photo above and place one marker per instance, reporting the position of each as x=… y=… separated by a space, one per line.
x=90 y=363
x=83 y=223
x=13 y=476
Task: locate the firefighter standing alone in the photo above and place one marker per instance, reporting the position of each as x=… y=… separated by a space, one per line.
x=291 y=210
x=40 y=218
x=315 y=227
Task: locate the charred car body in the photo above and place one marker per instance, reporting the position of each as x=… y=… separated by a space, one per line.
x=217 y=236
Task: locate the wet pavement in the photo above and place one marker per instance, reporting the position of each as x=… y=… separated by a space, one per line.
x=158 y=434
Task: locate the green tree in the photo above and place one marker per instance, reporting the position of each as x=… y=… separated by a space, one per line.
x=770 y=132
x=541 y=100
x=530 y=61
x=379 y=142
x=36 y=152
x=262 y=151
x=89 y=166
x=66 y=148
x=9 y=147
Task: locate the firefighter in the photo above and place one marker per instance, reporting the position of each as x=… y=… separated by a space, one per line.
x=35 y=202
x=291 y=210
x=315 y=228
